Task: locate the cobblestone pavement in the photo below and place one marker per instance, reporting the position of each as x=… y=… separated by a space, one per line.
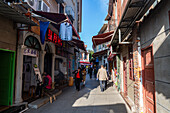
x=88 y=100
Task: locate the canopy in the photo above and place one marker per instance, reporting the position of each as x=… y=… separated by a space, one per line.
x=79 y=44
x=85 y=63
x=134 y=11
x=14 y=15
x=102 y=38
x=56 y=19
x=100 y=53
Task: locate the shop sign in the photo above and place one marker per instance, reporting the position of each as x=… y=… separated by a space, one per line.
x=37 y=72
x=53 y=37
x=31 y=52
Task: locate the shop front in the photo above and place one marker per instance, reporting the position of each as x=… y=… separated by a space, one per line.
x=30 y=58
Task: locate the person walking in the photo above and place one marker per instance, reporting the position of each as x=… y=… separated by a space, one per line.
x=39 y=86
x=78 y=78
x=90 y=72
x=95 y=72
x=102 y=76
x=84 y=76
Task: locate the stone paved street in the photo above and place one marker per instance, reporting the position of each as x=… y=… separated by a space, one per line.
x=88 y=100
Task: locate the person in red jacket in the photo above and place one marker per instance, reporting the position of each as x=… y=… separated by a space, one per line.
x=47 y=81
x=78 y=78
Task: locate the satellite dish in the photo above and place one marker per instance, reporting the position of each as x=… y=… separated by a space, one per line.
x=31 y=2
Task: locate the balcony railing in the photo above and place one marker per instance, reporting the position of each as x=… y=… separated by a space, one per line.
x=70 y=12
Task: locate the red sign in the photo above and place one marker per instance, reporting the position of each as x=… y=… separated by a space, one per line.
x=53 y=37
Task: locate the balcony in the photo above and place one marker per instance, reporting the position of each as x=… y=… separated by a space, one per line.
x=70 y=12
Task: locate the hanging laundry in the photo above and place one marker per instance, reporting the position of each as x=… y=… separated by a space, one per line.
x=65 y=32
x=62 y=32
x=69 y=32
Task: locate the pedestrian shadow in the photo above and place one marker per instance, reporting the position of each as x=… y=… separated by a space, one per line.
x=109 y=84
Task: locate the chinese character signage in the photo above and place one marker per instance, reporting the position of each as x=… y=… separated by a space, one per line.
x=53 y=37
x=31 y=52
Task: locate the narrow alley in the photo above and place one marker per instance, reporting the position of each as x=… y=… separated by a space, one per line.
x=88 y=100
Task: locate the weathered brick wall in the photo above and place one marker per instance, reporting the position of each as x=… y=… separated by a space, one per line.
x=137 y=72
x=8 y=35
x=118 y=11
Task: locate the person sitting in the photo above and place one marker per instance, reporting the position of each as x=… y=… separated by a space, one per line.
x=47 y=83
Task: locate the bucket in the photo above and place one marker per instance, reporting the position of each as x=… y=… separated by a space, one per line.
x=70 y=81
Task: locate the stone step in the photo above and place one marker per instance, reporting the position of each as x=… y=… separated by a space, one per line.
x=42 y=101
x=16 y=108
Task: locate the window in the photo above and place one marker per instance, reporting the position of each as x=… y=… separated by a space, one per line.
x=80 y=55
x=32 y=42
x=122 y=2
x=42 y=6
x=99 y=47
x=131 y=69
x=45 y=7
x=85 y=56
x=39 y=5
x=94 y=50
x=61 y=8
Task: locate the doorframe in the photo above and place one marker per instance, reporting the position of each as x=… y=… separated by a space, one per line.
x=12 y=74
x=125 y=74
x=143 y=76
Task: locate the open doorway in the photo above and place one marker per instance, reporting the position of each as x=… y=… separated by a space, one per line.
x=48 y=60
x=28 y=78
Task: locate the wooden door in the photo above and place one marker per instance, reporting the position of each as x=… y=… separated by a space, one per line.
x=125 y=76
x=148 y=80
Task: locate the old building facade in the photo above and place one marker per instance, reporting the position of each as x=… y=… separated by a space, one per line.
x=139 y=42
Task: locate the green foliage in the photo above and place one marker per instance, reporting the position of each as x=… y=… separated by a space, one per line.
x=90 y=54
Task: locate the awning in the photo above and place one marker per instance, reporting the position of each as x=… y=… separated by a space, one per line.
x=100 y=53
x=102 y=38
x=79 y=44
x=134 y=11
x=56 y=19
x=85 y=63
x=14 y=15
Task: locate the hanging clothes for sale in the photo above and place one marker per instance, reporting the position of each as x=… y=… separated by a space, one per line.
x=69 y=31
x=65 y=32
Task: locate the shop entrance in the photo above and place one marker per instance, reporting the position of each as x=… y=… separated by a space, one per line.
x=28 y=76
x=7 y=59
x=30 y=58
x=48 y=60
x=148 y=80
x=48 y=63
